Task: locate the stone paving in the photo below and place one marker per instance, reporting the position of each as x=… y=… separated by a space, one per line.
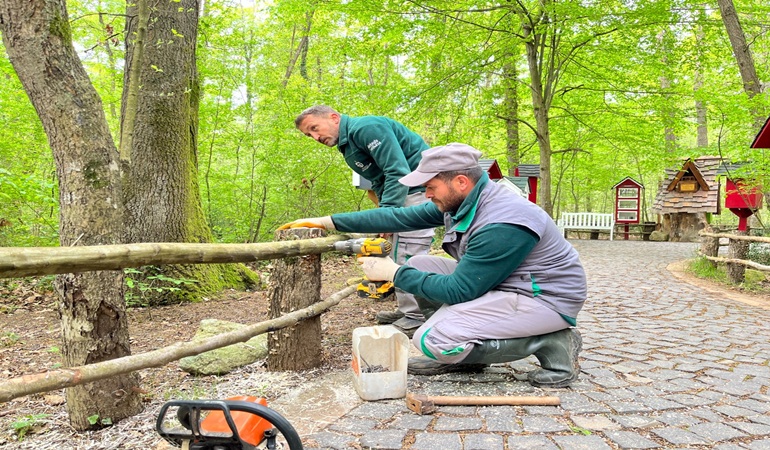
x=664 y=365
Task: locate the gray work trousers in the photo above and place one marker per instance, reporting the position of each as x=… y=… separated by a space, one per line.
x=450 y=334
x=406 y=245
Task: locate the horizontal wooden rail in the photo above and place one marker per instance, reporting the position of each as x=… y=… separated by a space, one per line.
x=735 y=236
x=73 y=376
x=35 y=261
x=747 y=263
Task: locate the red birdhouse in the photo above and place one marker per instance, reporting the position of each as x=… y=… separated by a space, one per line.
x=742 y=201
x=763 y=137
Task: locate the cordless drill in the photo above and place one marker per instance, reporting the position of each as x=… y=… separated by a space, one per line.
x=380 y=247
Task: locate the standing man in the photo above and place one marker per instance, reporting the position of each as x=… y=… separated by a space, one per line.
x=513 y=289
x=382 y=151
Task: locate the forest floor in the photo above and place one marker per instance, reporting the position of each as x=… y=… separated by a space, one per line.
x=30 y=340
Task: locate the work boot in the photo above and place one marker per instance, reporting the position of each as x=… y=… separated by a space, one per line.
x=408 y=325
x=388 y=317
x=422 y=365
x=558 y=356
x=427 y=307
x=557 y=353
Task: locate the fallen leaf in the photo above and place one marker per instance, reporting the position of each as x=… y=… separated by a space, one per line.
x=54 y=400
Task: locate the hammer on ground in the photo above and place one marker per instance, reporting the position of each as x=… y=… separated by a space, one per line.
x=425 y=404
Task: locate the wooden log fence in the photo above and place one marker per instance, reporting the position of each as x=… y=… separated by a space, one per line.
x=73 y=376
x=22 y=262
x=736 y=261
x=35 y=261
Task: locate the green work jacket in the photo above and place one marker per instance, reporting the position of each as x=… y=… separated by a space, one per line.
x=382 y=151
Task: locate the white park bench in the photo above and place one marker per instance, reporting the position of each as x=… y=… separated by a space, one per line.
x=587 y=222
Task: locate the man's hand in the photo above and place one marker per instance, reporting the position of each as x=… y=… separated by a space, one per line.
x=324 y=222
x=378 y=269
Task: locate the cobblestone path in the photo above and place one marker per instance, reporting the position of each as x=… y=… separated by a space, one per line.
x=664 y=365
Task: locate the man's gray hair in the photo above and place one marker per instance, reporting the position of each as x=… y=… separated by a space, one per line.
x=317 y=110
x=474 y=174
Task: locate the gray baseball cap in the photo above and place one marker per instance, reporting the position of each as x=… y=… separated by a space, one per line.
x=445 y=158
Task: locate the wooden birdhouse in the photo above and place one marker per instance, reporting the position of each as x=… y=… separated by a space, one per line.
x=688 y=179
x=763 y=137
x=532 y=173
x=687 y=196
x=492 y=169
x=742 y=200
x=628 y=199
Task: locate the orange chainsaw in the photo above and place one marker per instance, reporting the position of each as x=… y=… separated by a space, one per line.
x=238 y=423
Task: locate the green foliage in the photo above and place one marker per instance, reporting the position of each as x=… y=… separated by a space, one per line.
x=29 y=207
x=28 y=191
x=140 y=283
x=95 y=420
x=754 y=280
x=438 y=68
x=26 y=424
x=759 y=253
x=580 y=430
x=8 y=339
x=703 y=268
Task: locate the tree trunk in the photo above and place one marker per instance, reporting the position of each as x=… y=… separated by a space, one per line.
x=740 y=47
x=738 y=249
x=535 y=34
x=743 y=56
x=295 y=284
x=684 y=227
x=701 y=111
x=160 y=178
x=511 y=104
x=37 y=36
x=668 y=113
x=709 y=246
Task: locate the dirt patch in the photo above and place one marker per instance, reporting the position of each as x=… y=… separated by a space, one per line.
x=30 y=339
x=761 y=299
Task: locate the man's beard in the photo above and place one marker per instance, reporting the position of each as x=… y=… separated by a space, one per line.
x=452 y=203
x=331 y=142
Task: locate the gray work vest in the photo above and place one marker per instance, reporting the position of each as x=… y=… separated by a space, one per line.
x=551 y=273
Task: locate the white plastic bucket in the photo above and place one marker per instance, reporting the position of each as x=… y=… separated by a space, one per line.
x=380 y=356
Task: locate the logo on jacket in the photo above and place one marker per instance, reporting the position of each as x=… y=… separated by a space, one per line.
x=362 y=166
x=374 y=144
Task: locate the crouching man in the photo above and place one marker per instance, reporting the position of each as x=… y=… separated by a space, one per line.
x=513 y=288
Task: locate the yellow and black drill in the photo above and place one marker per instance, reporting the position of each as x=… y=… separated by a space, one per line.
x=380 y=247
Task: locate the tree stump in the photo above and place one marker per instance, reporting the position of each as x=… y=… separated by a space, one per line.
x=295 y=283
x=709 y=246
x=738 y=249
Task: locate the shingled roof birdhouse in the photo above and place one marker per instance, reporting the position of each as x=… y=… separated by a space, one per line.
x=492 y=169
x=687 y=195
x=532 y=173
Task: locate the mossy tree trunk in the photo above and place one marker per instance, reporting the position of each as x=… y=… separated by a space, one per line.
x=37 y=36
x=160 y=164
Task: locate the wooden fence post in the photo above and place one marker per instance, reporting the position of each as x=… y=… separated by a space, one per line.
x=709 y=245
x=295 y=283
x=738 y=249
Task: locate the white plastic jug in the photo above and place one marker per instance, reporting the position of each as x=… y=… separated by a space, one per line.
x=380 y=356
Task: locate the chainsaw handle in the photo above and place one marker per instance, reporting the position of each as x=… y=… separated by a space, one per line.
x=277 y=420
